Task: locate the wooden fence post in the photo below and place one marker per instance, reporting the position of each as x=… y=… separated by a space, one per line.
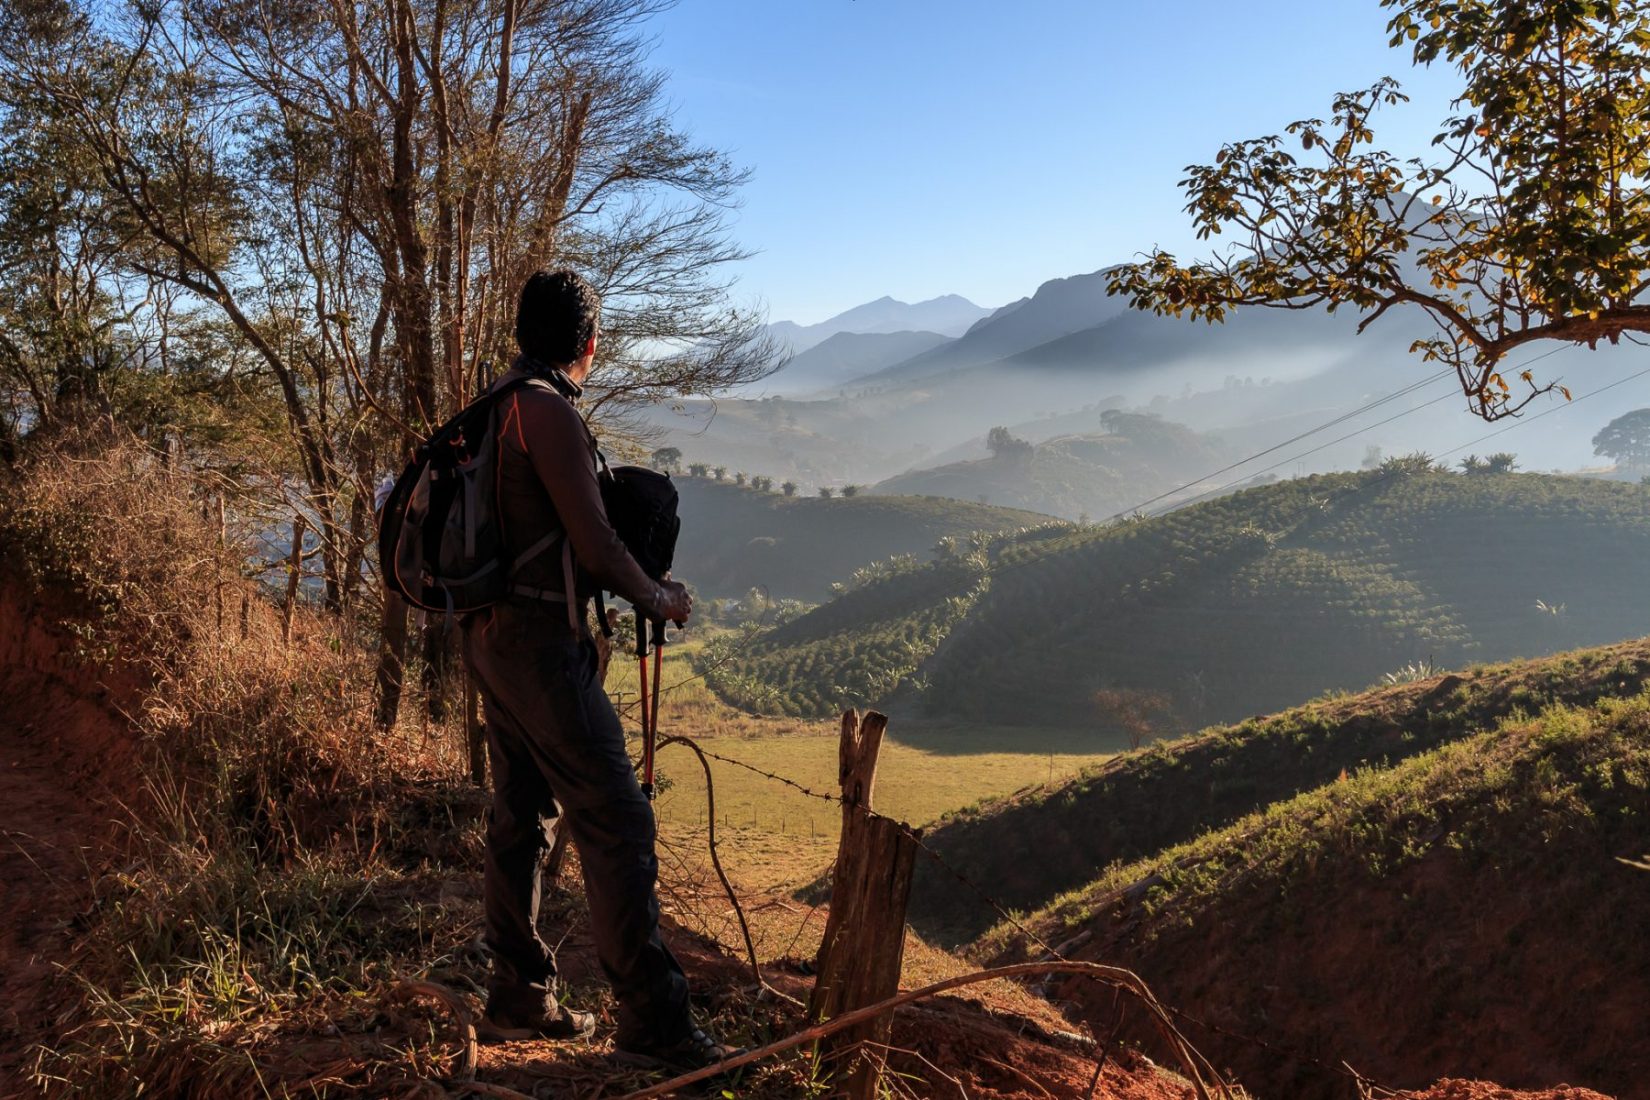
x=864 y=942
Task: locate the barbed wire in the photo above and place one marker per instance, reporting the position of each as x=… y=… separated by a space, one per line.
x=914 y=835
x=1052 y=954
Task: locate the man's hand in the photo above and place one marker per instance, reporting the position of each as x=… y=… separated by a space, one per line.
x=674 y=602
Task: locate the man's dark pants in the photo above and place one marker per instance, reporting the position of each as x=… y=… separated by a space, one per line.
x=555 y=743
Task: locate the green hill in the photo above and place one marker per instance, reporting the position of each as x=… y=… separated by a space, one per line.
x=1263 y=598
x=1467 y=908
x=1076 y=475
x=735 y=538
x=1046 y=840
x=853 y=651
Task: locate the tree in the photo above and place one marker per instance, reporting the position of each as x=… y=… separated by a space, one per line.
x=1531 y=223
x=1003 y=445
x=698 y=469
x=826 y=492
x=789 y=488
x=1626 y=439
x=668 y=459
x=334 y=205
x=850 y=490
x=720 y=473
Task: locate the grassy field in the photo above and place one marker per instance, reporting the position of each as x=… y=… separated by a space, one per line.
x=771 y=836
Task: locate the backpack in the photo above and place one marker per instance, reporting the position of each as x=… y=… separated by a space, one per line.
x=439 y=543
x=641 y=505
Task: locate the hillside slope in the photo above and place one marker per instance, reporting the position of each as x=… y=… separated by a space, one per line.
x=1466 y=908
x=223 y=881
x=1340 y=578
x=1076 y=475
x=1047 y=840
x=736 y=538
x=1264 y=598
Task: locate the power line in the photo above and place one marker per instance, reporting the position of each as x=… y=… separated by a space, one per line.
x=1297 y=457
x=1378 y=402
x=1326 y=425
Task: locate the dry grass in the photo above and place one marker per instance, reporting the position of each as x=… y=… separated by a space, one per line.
x=272 y=876
x=286 y=866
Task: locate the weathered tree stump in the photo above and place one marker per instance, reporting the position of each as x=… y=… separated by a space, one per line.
x=864 y=942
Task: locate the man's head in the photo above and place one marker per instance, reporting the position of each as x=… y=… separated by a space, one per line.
x=556 y=321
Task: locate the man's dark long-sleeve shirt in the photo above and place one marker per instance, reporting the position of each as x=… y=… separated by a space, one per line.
x=547 y=482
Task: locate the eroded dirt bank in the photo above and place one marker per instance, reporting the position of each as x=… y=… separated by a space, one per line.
x=66 y=750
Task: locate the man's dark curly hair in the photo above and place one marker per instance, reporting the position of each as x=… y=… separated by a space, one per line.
x=556 y=316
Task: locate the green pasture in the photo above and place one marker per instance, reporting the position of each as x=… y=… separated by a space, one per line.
x=773 y=836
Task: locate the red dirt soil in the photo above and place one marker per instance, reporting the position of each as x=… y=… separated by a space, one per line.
x=63 y=746
x=1450 y=1089
x=946 y=1047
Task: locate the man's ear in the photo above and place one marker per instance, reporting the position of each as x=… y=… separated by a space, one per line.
x=590 y=348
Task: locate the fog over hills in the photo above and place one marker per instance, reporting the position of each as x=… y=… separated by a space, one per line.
x=1051 y=364
x=843 y=357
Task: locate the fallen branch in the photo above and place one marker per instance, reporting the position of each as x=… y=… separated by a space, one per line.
x=1196 y=1067
x=408 y=988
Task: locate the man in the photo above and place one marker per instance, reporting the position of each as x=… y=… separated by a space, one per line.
x=557 y=750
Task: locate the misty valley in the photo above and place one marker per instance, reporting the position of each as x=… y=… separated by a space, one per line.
x=479 y=618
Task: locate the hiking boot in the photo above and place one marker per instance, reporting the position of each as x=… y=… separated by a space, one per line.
x=550 y=1022
x=697 y=1051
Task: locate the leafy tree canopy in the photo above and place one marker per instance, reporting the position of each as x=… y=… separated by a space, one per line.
x=1530 y=222
x=1626 y=439
x=1003 y=444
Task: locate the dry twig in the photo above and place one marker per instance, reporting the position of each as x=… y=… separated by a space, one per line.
x=1197 y=1068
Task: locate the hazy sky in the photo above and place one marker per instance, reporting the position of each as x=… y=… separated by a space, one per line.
x=923 y=147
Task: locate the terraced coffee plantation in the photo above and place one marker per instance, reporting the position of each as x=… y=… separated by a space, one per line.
x=853 y=651
x=1244 y=604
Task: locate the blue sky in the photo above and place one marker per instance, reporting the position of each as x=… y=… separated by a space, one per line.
x=923 y=147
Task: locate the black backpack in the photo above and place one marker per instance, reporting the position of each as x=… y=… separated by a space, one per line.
x=439 y=542
x=641 y=505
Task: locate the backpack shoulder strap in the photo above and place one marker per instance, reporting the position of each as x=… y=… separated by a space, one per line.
x=569 y=577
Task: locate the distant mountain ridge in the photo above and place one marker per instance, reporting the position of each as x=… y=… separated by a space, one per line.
x=948 y=315
x=1059 y=308
x=845 y=356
